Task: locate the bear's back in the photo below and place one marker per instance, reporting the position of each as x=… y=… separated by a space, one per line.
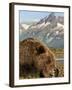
x=29 y=49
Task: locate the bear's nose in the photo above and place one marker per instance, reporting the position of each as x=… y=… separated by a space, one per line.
x=54 y=73
x=56 y=70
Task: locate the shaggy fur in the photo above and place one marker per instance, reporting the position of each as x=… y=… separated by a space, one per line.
x=35 y=56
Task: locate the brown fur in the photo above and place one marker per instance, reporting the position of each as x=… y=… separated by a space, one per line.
x=35 y=54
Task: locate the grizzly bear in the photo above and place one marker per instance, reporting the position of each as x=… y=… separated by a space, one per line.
x=35 y=56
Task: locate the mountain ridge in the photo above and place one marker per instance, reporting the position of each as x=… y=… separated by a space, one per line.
x=49 y=30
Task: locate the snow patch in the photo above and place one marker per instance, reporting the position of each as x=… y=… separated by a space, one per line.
x=25 y=26
x=60 y=25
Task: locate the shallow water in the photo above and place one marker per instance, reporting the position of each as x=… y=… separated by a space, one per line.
x=60 y=61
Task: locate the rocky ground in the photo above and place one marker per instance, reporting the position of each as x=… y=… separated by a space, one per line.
x=60 y=67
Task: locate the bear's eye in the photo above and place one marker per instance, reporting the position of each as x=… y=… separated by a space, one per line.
x=40 y=50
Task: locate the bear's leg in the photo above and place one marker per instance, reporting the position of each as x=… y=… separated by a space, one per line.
x=41 y=75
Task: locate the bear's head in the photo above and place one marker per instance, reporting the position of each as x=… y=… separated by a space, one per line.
x=45 y=62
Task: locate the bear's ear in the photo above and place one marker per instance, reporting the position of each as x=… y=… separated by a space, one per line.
x=40 y=50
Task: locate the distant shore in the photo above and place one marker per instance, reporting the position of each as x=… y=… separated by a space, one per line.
x=60 y=60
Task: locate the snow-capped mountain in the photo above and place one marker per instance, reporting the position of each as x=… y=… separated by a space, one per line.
x=23 y=28
x=49 y=29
